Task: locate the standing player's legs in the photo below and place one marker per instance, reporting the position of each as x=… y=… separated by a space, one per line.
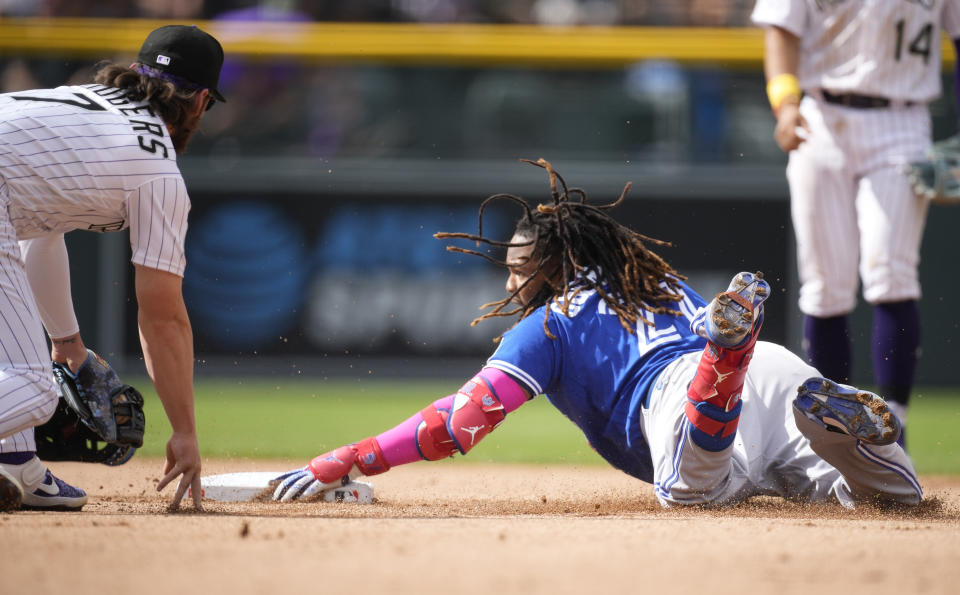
x=27 y=393
x=892 y=219
x=823 y=210
x=896 y=349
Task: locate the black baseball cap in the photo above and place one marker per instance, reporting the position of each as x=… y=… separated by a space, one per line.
x=187 y=53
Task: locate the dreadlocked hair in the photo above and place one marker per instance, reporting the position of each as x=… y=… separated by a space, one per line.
x=579 y=247
x=170 y=102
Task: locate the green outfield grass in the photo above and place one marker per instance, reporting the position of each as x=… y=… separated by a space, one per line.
x=298 y=419
x=934 y=435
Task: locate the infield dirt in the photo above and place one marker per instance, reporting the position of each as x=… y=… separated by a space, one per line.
x=471 y=528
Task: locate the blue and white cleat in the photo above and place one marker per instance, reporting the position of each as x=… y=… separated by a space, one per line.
x=848 y=410
x=730 y=319
x=41 y=490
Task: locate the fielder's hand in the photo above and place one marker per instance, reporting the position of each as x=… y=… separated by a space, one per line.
x=791 y=127
x=183 y=460
x=113 y=410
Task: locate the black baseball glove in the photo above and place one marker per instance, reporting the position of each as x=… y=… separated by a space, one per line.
x=98 y=419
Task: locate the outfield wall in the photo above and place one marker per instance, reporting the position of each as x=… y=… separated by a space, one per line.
x=359 y=286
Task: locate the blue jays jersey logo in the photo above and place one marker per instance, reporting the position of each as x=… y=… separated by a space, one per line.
x=576 y=302
x=654 y=330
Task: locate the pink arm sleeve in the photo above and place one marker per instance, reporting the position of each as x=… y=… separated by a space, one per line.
x=399 y=444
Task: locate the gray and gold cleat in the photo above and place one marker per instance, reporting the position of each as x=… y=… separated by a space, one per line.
x=848 y=410
x=734 y=316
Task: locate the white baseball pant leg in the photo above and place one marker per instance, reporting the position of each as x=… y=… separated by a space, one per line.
x=28 y=396
x=870 y=472
x=770 y=455
x=823 y=209
x=891 y=216
x=852 y=208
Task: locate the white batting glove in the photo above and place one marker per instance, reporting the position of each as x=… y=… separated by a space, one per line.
x=300 y=484
x=331 y=470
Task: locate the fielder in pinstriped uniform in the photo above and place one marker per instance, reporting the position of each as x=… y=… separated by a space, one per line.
x=673 y=391
x=849 y=81
x=98 y=157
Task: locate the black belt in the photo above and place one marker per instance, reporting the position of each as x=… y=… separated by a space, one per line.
x=859 y=101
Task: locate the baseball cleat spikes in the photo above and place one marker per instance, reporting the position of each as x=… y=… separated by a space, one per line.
x=733 y=317
x=848 y=410
x=11 y=494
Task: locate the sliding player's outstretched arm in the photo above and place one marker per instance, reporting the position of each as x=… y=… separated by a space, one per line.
x=453 y=424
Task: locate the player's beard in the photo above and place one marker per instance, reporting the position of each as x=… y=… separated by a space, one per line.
x=545 y=292
x=182 y=134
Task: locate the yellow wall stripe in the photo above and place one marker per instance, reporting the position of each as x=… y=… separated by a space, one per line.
x=404 y=43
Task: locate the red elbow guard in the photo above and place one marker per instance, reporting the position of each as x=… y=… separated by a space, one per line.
x=476 y=411
x=433 y=439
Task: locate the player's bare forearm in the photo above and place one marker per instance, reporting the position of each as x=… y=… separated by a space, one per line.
x=781 y=52
x=168 y=354
x=780 y=61
x=167 y=340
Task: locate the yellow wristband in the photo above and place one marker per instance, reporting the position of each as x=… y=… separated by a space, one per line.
x=782 y=87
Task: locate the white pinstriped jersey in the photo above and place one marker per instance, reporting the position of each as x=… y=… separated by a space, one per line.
x=887 y=48
x=87 y=157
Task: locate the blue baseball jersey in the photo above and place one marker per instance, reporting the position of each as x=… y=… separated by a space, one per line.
x=596 y=372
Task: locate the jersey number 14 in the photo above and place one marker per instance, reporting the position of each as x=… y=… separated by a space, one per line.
x=919 y=45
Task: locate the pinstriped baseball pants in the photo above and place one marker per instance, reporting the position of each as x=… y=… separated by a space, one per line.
x=854 y=213
x=28 y=395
